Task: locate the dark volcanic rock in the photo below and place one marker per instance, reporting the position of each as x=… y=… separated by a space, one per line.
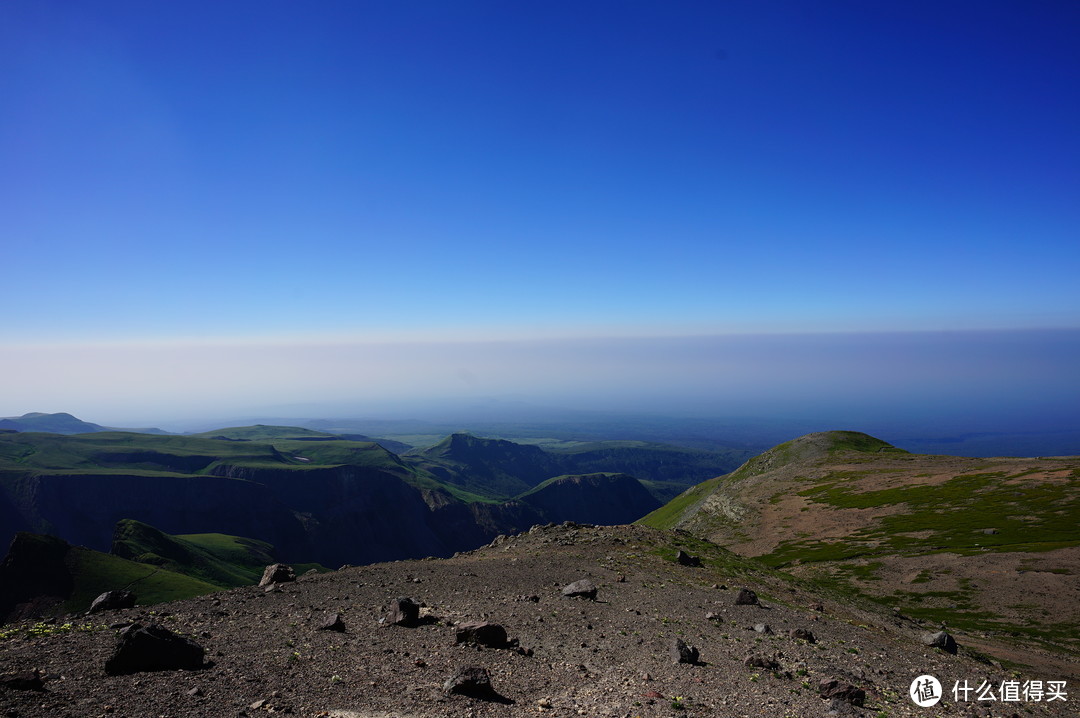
x=746 y=597
x=804 y=635
x=331 y=622
x=22 y=681
x=941 y=640
x=758 y=661
x=472 y=681
x=835 y=688
x=153 y=648
x=112 y=601
x=486 y=634
x=583 y=588
x=683 y=653
x=686 y=559
x=404 y=611
x=277 y=573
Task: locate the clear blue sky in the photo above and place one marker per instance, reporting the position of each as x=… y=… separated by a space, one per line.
x=179 y=172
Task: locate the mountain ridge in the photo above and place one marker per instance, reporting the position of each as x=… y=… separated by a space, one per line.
x=994 y=541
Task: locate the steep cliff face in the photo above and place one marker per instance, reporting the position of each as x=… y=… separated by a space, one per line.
x=352 y=514
x=601 y=498
x=84 y=508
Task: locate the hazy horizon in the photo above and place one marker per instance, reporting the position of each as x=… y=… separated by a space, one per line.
x=996 y=381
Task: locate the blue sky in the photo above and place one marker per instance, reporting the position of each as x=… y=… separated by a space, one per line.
x=185 y=177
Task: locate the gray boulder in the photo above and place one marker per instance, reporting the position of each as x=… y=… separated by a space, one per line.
x=277 y=573
x=746 y=597
x=331 y=622
x=686 y=559
x=681 y=652
x=583 y=588
x=112 y=601
x=941 y=640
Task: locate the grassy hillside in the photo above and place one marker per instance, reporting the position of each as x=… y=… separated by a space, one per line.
x=94 y=573
x=60 y=578
x=991 y=546
x=217 y=559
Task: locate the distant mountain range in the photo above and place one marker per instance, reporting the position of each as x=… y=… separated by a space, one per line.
x=60 y=423
x=311 y=496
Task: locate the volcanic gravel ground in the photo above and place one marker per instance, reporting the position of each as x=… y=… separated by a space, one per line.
x=609 y=657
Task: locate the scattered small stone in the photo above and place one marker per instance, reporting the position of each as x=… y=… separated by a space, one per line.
x=835 y=688
x=483 y=633
x=746 y=597
x=332 y=622
x=941 y=640
x=681 y=652
x=763 y=628
x=990 y=532
x=195 y=692
x=404 y=611
x=712 y=616
x=153 y=648
x=583 y=588
x=112 y=601
x=277 y=573
x=819 y=607
x=257 y=705
x=544 y=704
x=621 y=578
x=804 y=634
x=652 y=694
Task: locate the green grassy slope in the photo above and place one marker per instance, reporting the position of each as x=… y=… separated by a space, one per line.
x=94 y=573
x=214 y=558
x=73 y=576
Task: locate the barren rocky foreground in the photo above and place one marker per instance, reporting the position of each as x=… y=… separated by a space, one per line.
x=611 y=656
